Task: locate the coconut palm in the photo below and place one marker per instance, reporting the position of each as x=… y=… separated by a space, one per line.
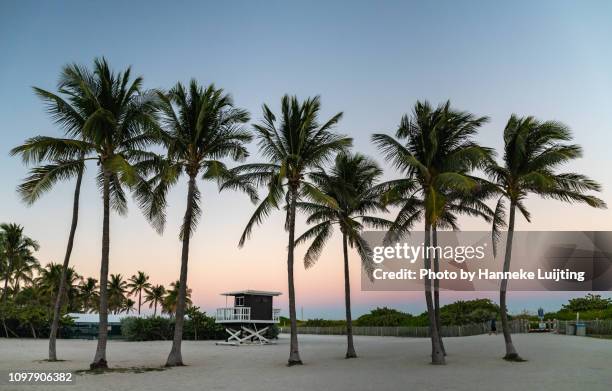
x=61 y=160
x=128 y=306
x=200 y=126
x=48 y=282
x=16 y=248
x=293 y=145
x=154 y=295
x=117 y=289
x=412 y=209
x=136 y=284
x=351 y=184
x=88 y=294
x=434 y=149
x=23 y=271
x=171 y=299
x=533 y=152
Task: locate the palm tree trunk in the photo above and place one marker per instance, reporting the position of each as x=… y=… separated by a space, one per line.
x=5 y=293
x=437 y=356
x=62 y=285
x=155 y=309
x=100 y=357
x=139 y=300
x=175 y=358
x=436 y=267
x=511 y=353
x=350 y=348
x=294 y=353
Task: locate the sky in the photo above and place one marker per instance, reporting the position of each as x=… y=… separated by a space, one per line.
x=370 y=60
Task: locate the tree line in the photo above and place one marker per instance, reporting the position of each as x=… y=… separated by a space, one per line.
x=110 y=119
x=30 y=289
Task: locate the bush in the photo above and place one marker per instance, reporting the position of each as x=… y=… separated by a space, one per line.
x=199 y=327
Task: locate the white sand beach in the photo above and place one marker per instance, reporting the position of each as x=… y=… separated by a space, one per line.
x=556 y=363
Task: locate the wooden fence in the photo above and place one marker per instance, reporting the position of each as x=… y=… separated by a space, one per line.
x=517 y=326
x=593 y=327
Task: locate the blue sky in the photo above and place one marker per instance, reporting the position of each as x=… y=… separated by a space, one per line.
x=371 y=60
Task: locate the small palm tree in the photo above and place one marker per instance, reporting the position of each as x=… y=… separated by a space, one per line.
x=154 y=295
x=128 y=306
x=533 y=152
x=49 y=279
x=16 y=247
x=171 y=300
x=351 y=184
x=293 y=145
x=117 y=289
x=200 y=126
x=434 y=149
x=137 y=283
x=23 y=271
x=88 y=294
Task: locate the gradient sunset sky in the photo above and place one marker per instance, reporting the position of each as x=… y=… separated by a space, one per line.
x=371 y=60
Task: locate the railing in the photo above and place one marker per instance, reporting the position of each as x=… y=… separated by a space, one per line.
x=516 y=326
x=233 y=314
x=238 y=314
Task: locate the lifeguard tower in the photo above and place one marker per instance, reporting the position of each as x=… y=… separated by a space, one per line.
x=249 y=318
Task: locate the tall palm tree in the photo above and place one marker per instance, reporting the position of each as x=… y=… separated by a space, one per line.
x=434 y=149
x=16 y=247
x=154 y=295
x=293 y=145
x=533 y=152
x=171 y=299
x=200 y=127
x=137 y=283
x=118 y=127
x=117 y=289
x=63 y=160
x=88 y=294
x=351 y=184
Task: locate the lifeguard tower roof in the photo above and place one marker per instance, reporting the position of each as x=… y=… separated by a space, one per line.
x=251 y=292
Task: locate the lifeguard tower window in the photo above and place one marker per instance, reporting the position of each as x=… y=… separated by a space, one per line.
x=239 y=301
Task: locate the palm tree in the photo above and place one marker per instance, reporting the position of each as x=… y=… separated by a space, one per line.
x=171 y=300
x=64 y=159
x=293 y=145
x=88 y=294
x=351 y=184
x=136 y=284
x=23 y=271
x=49 y=279
x=118 y=127
x=154 y=295
x=435 y=150
x=117 y=288
x=128 y=306
x=16 y=247
x=533 y=152
x=200 y=126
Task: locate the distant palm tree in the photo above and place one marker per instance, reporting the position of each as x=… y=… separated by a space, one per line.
x=351 y=184
x=154 y=295
x=435 y=151
x=137 y=283
x=533 y=152
x=128 y=306
x=23 y=271
x=49 y=280
x=117 y=288
x=15 y=247
x=61 y=160
x=200 y=127
x=171 y=300
x=88 y=294
x=293 y=145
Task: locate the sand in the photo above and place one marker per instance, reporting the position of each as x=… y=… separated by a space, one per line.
x=556 y=362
